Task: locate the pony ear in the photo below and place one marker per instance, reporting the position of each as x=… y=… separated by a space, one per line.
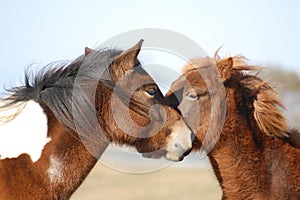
x=87 y=51
x=225 y=67
x=177 y=85
x=126 y=60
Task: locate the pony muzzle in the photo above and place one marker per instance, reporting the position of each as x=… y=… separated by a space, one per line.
x=179 y=144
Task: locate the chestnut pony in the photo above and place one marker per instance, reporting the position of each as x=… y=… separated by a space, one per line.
x=103 y=96
x=237 y=119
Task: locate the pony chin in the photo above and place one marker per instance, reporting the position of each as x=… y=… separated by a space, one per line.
x=25 y=134
x=155 y=155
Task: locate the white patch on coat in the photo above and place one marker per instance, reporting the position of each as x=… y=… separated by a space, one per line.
x=26 y=133
x=55 y=170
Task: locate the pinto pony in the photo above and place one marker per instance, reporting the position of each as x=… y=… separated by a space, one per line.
x=101 y=97
x=253 y=152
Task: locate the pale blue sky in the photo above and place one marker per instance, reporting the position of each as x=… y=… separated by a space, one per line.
x=38 y=32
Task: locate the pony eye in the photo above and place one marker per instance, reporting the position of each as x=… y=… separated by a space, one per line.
x=151 y=92
x=192 y=96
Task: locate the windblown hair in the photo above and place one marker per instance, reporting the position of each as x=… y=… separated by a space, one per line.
x=266 y=101
x=56 y=84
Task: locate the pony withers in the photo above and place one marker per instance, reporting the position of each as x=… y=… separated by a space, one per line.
x=103 y=96
x=237 y=119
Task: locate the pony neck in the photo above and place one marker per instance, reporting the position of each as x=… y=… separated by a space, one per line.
x=64 y=163
x=238 y=152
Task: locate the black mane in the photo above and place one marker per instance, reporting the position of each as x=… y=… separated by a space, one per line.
x=56 y=84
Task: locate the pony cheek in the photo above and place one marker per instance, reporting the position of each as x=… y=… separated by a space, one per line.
x=149 y=145
x=191 y=121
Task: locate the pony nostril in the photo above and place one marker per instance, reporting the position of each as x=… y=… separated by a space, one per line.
x=179 y=147
x=183 y=150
